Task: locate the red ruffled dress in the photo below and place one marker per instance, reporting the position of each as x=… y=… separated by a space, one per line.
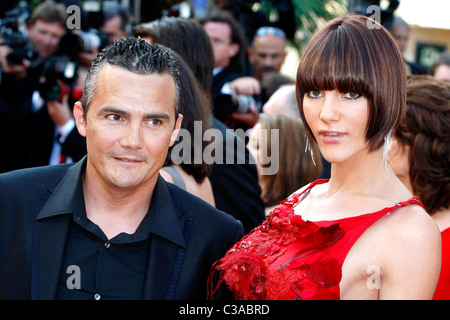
x=288 y=258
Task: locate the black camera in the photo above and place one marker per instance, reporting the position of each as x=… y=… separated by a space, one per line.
x=58 y=79
x=90 y=39
x=13 y=32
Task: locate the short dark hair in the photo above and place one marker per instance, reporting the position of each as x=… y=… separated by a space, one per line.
x=113 y=9
x=137 y=56
x=357 y=54
x=237 y=36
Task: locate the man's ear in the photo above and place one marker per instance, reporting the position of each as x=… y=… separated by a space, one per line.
x=176 y=130
x=80 y=119
x=234 y=49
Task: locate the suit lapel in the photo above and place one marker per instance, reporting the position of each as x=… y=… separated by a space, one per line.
x=167 y=245
x=52 y=240
x=51 y=230
x=161 y=262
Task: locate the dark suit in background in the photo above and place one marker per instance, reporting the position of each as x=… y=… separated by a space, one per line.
x=235 y=181
x=223 y=106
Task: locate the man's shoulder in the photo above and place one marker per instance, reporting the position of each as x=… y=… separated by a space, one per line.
x=32 y=177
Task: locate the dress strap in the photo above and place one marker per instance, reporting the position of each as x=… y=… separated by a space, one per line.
x=310 y=186
x=176 y=176
x=412 y=200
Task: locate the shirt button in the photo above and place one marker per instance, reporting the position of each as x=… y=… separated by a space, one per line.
x=97 y=296
x=107 y=244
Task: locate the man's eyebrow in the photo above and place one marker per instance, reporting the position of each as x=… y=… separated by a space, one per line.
x=156 y=115
x=109 y=109
x=161 y=115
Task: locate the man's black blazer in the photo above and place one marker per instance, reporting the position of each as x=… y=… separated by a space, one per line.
x=235 y=181
x=187 y=237
x=222 y=103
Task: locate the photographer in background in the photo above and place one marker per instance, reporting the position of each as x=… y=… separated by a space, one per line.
x=36 y=121
x=116 y=21
x=229 y=47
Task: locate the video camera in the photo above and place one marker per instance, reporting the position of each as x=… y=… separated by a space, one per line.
x=13 y=32
x=90 y=37
x=58 y=79
x=58 y=73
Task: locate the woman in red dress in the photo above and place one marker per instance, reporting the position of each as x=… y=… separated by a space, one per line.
x=361 y=234
x=419 y=155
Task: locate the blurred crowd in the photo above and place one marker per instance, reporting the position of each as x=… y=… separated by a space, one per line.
x=235 y=55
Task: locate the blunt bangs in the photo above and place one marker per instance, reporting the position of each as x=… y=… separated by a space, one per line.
x=337 y=67
x=348 y=56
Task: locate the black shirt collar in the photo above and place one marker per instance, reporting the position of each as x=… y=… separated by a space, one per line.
x=162 y=217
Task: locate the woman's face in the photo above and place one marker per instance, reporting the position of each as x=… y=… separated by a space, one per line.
x=338 y=121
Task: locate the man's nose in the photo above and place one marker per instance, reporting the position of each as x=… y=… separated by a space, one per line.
x=132 y=137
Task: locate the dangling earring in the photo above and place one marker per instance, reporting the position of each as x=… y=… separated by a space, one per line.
x=387 y=139
x=308 y=147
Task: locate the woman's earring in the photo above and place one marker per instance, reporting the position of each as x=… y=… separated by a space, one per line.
x=308 y=147
x=387 y=140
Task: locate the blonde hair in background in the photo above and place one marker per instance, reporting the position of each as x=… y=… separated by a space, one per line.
x=296 y=167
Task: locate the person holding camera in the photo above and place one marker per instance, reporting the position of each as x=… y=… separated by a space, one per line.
x=35 y=114
x=229 y=45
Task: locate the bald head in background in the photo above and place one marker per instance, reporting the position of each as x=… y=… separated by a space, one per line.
x=282 y=101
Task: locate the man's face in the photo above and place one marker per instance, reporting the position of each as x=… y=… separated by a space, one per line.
x=220 y=35
x=113 y=29
x=129 y=127
x=45 y=36
x=267 y=55
x=401 y=36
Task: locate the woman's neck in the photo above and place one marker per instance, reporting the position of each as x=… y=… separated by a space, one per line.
x=363 y=175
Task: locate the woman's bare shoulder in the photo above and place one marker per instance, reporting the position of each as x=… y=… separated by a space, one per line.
x=412 y=259
x=412 y=222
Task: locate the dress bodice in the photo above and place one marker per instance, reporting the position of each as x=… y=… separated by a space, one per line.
x=288 y=258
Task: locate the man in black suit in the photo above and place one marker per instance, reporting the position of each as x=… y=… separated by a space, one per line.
x=229 y=47
x=109 y=227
